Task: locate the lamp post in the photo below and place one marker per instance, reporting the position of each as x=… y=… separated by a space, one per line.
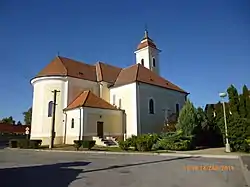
x=223 y=95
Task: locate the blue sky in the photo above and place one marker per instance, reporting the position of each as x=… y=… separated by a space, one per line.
x=205 y=44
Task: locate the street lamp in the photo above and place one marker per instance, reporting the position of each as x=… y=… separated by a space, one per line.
x=223 y=95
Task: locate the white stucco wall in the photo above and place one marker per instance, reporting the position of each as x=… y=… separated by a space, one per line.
x=127 y=94
x=85 y=123
x=163 y=99
x=76 y=85
x=70 y=133
x=42 y=95
x=148 y=54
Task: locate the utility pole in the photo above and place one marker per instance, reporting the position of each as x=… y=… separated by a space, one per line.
x=53 y=120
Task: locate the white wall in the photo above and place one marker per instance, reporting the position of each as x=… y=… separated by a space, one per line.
x=42 y=95
x=163 y=99
x=85 y=122
x=127 y=94
x=148 y=53
x=77 y=85
x=72 y=134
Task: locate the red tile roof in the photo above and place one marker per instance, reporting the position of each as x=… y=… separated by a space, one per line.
x=62 y=66
x=9 y=128
x=89 y=99
x=139 y=73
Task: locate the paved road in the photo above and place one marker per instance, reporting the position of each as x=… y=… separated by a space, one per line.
x=51 y=169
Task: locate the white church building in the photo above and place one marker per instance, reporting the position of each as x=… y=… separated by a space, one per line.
x=102 y=100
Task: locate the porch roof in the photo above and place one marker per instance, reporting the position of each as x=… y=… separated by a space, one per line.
x=89 y=99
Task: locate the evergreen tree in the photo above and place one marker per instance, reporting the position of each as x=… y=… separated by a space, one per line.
x=244 y=100
x=210 y=113
x=187 y=120
x=233 y=100
x=28 y=116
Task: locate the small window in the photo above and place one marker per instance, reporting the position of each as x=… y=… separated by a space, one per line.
x=72 y=123
x=142 y=62
x=120 y=103
x=177 y=108
x=113 y=99
x=154 y=62
x=50 y=108
x=151 y=106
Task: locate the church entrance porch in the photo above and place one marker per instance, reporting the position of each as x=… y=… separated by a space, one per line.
x=92 y=123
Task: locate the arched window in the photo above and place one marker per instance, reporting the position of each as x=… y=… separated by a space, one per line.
x=72 y=123
x=151 y=106
x=142 y=62
x=50 y=108
x=154 y=62
x=177 y=108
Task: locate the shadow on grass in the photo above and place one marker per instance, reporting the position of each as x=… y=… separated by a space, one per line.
x=134 y=164
x=41 y=176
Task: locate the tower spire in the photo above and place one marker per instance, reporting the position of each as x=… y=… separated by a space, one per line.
x=146 y=31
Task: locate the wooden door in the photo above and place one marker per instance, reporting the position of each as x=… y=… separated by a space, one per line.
x=100 y=129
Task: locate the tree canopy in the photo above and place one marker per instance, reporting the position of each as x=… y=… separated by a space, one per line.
x=27 y=116
x=8 y=120
x=187 y=120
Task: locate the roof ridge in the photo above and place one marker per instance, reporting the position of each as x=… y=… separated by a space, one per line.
x=130 y=66
x=59 y=57
x=75 y=98
x=88 y=93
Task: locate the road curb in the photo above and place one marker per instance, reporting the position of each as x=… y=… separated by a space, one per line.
x=136 y=153
x=245 y=172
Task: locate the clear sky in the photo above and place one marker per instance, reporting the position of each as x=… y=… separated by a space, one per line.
x=205 y=43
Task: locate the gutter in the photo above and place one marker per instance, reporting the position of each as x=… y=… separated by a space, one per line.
x=65 y=127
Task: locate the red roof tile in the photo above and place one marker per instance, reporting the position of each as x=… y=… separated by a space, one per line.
x=89 y=99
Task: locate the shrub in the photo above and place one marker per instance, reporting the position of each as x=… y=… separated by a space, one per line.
x=124 y=145
x=145 y=142
x=132 y=142
x=239 y=144
x=23 y=143
x=175 y=141
x=88 y=144
x=35 y=144
x=13 y=143
x=77 y=144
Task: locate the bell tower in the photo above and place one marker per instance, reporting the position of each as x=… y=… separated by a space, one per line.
x=147 y=54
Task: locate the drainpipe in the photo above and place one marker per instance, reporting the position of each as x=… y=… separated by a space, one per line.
x=65 y=127
x=80 y=123
x=138 y=109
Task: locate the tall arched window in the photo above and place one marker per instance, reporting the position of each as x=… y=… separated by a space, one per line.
x=142 y=62
x=154 y=62
x=177 y=108
x=151 y=106
x=72 y=123
x=50 y=108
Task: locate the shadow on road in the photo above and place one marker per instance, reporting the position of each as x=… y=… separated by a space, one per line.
x=41 y=176
x=135 y=164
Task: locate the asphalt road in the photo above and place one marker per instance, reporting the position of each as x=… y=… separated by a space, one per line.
x=55 y=169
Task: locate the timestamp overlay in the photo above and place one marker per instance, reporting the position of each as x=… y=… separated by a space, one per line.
x=209 y=168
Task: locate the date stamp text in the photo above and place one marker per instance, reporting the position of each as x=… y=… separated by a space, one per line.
x=209 y=168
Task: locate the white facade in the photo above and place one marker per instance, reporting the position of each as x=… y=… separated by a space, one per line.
x=42 y=95
x=163 y=100
x=126 y=97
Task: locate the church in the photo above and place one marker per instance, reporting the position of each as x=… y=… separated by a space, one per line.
x=99 y=101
